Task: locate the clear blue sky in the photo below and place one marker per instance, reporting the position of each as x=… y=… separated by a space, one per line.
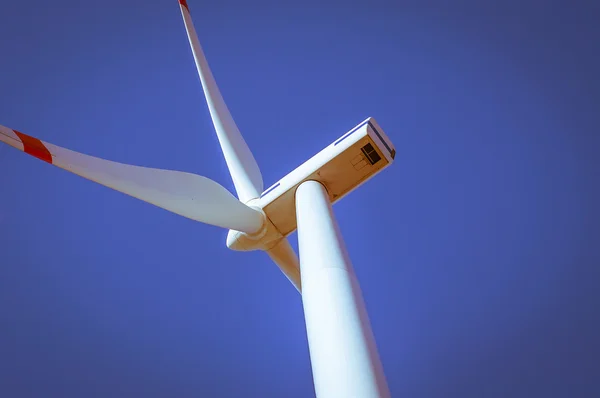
x=477 y=251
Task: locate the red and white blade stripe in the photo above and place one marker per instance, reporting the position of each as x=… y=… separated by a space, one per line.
x=26 y=143
x=184 y=4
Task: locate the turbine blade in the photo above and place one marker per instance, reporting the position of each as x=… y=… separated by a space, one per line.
x=286 y=259
x=243 y=168
x=186 y=194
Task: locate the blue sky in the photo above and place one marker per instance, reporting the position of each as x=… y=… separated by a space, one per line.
x=477 y=252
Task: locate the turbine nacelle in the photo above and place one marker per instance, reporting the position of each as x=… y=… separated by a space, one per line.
x=341 y=167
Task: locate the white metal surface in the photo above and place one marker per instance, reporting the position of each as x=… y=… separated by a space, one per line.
x=341 y=167
x=285 y=257
x=186 y=194
x=344 y=357
x=241 y=163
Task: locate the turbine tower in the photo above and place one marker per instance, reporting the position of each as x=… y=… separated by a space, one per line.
x=343 y=353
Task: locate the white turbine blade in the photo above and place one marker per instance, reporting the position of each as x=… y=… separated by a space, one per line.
x=286 y=259
x=186 y=194
x=240 y=161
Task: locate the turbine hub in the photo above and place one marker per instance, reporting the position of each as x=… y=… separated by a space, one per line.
x=267 y=237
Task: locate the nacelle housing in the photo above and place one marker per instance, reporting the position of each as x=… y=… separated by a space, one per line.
x=341 y=167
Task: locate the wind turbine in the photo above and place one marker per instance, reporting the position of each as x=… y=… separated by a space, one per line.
x=344 y=357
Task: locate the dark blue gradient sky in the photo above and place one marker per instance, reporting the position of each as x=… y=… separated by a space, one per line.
x=477 y=252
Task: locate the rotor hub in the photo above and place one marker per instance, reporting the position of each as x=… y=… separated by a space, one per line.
x=266 y=237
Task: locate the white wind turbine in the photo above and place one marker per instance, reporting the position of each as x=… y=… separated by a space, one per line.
x=344 y=357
